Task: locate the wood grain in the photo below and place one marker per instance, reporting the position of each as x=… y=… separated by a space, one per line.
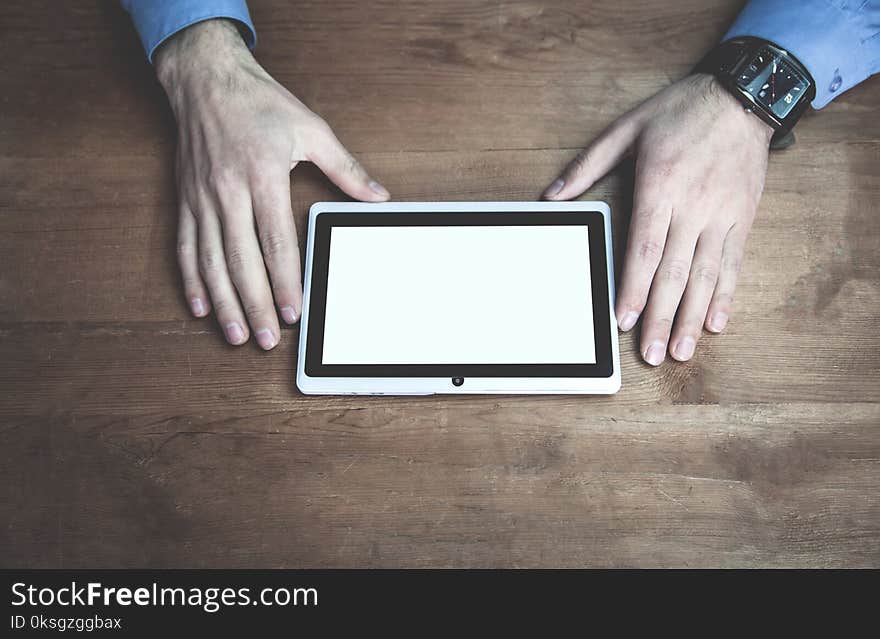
x=132 y=435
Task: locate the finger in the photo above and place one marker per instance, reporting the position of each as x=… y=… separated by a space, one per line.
x=597 y=159
x=666 y=291
x=212 y=266
x=700 y=286
x=277 y=234
x=188 y=260
x=246 y=267
x=645 y=244
x=342 y=168
x=731 y=260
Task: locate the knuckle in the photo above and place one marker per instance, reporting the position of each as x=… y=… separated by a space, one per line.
x=658 y=173
x=210 y=263
x=633 y=304
x=659 y=325
x=275 y=244
x=649 y=250
x=320 y=125
x=676 y=271
x=580 y=162
x=351 y=164
x=198 y=195
x=223 y=306
x=706 y=273
x=702 y=188
x=185 y=251
x=650 y=213
x=236 y=257
x=731 y=263
x=689 y=323
x=723 y=300
x=254 y=309
x=190 y=283
x=222 y=178
x=317 y=130
x=261 y=181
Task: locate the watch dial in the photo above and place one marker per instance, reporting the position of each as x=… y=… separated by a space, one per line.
x=774 y=83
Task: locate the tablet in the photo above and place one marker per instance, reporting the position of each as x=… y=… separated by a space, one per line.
x=410 y=298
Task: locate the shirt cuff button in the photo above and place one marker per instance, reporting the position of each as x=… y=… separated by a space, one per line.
x=836 y=81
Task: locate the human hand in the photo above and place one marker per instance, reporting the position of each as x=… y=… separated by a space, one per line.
x=700 y=166
x=240 y=133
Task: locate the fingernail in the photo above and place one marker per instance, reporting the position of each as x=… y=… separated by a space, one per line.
x=628 y=320
x=198 y=308
x=377 y=188
x=655 y=353
x=684 y=350
x=266 y=339
x=288 y=314
x=554 y=188
x=234 y=333
x=718 y=322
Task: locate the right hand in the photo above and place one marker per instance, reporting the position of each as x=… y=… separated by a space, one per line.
x=240 y=133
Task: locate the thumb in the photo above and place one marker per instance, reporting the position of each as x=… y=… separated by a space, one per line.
x=597 y=159
x=343 y=169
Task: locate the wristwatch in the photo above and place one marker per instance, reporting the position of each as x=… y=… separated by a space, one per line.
x=768 y=80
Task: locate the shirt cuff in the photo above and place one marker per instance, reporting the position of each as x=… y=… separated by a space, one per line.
x=157 y=21
x=827 y=40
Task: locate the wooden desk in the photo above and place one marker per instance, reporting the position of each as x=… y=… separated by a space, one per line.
x=132 y=435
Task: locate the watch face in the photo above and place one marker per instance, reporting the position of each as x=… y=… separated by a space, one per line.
x=773 y=81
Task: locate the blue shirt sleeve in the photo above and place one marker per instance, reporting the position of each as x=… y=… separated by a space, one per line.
x=837 y=40
x=158 y=20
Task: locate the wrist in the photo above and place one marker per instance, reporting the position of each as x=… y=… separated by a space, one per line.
x=730 y=108
x=204 y=47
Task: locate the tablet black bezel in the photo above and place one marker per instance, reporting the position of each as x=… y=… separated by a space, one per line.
x=595 y=222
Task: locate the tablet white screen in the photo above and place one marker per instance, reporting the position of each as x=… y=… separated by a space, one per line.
x=459 y=295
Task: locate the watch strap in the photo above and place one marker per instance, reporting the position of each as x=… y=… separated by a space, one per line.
x=724 y=60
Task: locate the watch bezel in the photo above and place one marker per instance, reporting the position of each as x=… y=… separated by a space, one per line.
x=729 y=58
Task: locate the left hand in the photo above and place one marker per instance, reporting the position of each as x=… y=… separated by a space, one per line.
x=700 y=166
